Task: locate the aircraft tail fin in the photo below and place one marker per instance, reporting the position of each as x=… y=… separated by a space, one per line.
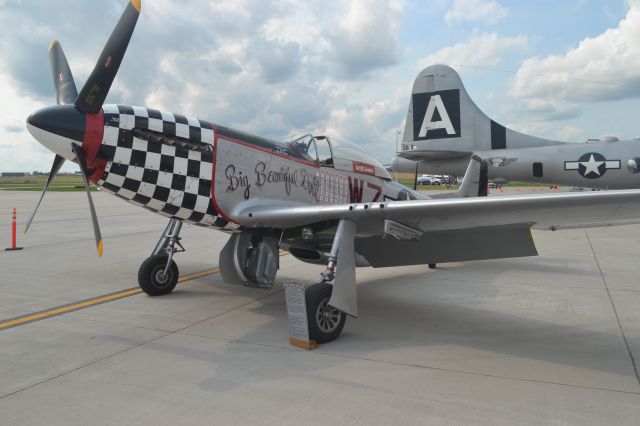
x=444 y=122
x=474 y=183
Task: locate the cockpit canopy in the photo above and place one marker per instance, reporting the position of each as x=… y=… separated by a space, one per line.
x=337 y=153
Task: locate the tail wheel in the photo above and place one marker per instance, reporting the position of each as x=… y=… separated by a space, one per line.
x=152 y=279
x=325 y=321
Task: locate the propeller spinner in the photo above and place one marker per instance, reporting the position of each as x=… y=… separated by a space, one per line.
x=61 y=128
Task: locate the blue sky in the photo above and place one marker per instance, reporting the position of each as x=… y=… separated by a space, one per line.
x=566 y=70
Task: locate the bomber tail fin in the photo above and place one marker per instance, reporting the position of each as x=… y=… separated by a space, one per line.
x=443 y=121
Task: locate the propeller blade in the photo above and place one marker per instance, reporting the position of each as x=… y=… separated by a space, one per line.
x=66 y=92
x=82 y=161
x=95 y=90
x=58 y=161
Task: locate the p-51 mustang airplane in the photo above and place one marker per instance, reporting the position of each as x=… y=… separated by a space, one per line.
x=444 y=128
x=326 y=202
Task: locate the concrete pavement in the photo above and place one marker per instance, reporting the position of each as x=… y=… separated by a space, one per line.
x=551 y=339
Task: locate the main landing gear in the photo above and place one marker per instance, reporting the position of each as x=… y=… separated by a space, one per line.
x=158 y=274
x=324 y=317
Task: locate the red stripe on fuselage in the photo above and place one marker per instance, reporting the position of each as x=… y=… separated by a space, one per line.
x=93 y=132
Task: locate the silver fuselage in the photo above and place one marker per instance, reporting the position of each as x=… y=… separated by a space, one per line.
x=615 y=165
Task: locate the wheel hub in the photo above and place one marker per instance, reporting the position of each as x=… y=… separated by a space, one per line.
x=327 y=317
x=160 y=278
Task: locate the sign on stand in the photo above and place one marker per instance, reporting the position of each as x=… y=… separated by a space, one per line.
x=297 y=314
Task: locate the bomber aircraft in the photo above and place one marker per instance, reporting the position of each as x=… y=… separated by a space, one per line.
x=325 y=201
x=444 y=128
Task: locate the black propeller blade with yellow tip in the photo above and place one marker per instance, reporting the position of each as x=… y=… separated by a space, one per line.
x=89 y=101
x=55 y=168
x=95 y=90
x=66 y=93
x=80 y=155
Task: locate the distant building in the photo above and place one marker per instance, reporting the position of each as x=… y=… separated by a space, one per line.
x=14 y=174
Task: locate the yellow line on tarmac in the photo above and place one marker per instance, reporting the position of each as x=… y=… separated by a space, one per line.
x=13 y=322
x=197 y=275
x=91 y=302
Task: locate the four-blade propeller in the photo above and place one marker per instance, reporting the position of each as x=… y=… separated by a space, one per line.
x=89 y=100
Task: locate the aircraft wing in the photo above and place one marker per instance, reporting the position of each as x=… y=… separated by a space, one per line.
x=417 y=232
x=549 y=211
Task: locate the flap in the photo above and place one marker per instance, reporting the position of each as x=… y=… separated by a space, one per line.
x=458 y=245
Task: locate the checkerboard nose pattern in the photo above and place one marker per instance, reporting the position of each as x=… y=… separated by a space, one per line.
x=172 y=180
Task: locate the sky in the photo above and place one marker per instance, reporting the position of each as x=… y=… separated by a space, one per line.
x=563 y=69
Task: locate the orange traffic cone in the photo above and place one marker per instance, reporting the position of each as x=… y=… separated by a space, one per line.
x=13 y=233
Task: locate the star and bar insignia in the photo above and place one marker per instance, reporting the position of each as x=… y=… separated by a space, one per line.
x=592 y=165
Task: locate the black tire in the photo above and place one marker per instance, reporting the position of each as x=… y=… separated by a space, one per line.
x=325 y=322
x=150 y=272
x=432 y=266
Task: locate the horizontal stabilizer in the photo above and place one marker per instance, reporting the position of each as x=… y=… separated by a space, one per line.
x=474 y=183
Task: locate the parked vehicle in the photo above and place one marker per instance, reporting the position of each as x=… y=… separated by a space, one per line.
x=424 y=180
x=437 y=180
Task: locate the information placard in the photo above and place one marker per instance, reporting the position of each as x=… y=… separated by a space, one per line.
x=297 y=314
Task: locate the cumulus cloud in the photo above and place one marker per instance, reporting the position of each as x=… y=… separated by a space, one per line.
x=27 y=28
x=367 y=37
x=549 y=109
x=278 y=61
x=481 y=50
x=553 y=131
x=475 y=10
x=18 y=151
x=269 y=67
x=601 y=68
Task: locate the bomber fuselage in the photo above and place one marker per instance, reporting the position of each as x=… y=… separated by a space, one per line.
x=607 y=165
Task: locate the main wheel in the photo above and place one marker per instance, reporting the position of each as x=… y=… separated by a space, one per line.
x=151 y=278
x=325 y=321
x=432 y=266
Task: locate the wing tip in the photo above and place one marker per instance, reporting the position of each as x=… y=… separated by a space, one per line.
x=137 y=4
x=53 y=44
x=100 y=248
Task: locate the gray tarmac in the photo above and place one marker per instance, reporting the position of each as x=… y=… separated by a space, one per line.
x=546 y=340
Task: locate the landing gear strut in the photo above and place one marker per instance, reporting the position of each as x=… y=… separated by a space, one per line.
x=329 y=304
x=158 y=274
